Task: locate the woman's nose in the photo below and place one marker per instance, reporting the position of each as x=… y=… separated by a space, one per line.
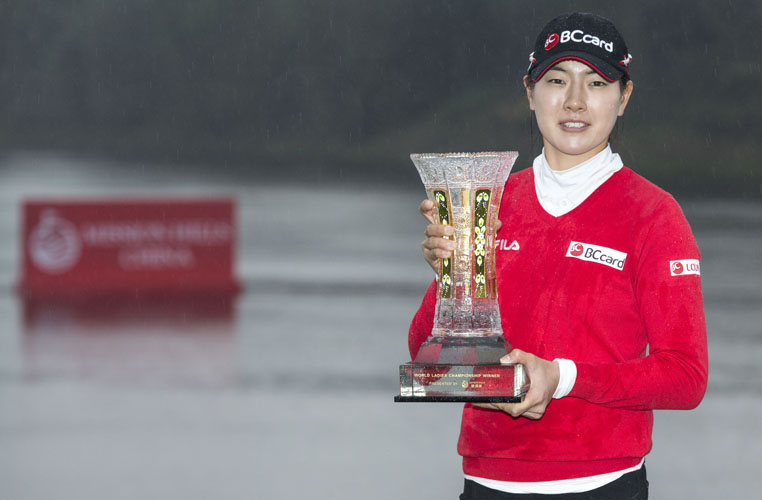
x=575 y=98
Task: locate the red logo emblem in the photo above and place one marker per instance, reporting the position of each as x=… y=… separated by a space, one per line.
x=551 y=41
x=677 y=268
x=577 y=249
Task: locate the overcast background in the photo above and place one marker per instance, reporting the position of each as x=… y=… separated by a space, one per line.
x=305 y=113
x=338 y=89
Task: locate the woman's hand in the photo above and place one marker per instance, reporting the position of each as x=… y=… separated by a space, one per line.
x=543 y=376
x=435 y=246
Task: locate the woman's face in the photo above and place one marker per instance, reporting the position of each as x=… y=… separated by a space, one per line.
x=576 y=109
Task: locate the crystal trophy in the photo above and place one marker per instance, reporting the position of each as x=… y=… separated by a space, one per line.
x=460 y=361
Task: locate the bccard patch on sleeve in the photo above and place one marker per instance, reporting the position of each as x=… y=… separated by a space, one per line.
x=684 y=266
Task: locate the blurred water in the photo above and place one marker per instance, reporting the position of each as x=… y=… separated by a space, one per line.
x=290 y=394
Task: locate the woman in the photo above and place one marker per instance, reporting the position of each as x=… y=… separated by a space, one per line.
x=598 y=286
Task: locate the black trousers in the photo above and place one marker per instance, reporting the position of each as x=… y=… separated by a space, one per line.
x=631 y=486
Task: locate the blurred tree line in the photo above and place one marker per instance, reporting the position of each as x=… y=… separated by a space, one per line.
x=348 y=88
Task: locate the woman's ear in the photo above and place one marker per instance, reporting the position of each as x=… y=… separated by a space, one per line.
x=530 y=91
x=625 y=98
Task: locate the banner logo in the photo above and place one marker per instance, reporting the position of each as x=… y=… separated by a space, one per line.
x=596 y=253
x=54 y=244
x=684 y=266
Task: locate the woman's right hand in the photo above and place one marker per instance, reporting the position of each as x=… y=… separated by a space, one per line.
x=435 y=247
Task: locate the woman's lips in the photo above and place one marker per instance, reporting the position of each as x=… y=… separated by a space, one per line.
x=574 y=126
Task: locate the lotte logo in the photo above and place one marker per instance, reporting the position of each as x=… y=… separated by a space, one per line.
x=684 y=267
x=576 y=249
x=551 y=41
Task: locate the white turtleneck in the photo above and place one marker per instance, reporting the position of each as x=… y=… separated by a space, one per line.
x=561 y=191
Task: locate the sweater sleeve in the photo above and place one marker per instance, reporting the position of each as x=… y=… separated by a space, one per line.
x=667 y=285
x=423 y=321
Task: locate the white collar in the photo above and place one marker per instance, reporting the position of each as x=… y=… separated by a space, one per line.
x=560 y=192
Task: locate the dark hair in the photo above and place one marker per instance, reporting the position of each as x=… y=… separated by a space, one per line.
x=623 y=82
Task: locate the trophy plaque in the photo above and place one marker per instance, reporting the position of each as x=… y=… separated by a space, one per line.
x=460 y=361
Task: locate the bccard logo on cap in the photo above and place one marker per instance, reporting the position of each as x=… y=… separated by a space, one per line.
x=581 y=36
x=551 y=41
x=684 y=267
x=596 y=253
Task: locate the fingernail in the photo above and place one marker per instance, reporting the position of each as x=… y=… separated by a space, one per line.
x=448 y=230
x=506 y=359
x=451 y=245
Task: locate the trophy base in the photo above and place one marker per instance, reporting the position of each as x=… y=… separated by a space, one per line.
x=462 y=369
x=457 y=399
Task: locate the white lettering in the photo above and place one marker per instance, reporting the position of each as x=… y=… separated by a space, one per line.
x=154 y=258
x=581 y=36
x=189 y=232
x=503 y=245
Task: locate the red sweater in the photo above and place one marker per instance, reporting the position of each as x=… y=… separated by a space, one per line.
x=612 y=285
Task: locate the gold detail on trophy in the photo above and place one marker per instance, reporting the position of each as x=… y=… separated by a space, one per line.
x=481 y=210
x=443 y=210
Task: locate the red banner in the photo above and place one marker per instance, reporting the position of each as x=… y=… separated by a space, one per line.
x=184 y=246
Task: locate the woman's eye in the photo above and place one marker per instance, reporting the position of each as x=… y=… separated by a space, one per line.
x=598 y=83
x=557 y=81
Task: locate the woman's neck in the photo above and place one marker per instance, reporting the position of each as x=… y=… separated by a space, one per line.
x=559 y=161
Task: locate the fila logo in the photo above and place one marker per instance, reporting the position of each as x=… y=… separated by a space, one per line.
x=598 y=254
x=684 y=266
x=503 y=245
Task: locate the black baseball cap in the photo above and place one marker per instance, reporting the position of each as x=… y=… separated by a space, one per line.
x=588 y=38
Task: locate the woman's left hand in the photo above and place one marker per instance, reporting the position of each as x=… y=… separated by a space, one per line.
x=543 y=376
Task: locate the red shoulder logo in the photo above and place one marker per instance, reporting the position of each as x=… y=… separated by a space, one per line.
x=684 y=267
